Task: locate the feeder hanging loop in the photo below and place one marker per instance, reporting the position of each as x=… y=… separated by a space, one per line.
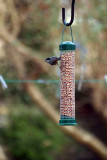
x=72 y=14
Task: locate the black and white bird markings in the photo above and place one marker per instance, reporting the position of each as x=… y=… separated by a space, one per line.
x=53 y=60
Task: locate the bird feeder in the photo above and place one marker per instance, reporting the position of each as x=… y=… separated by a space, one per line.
x=67 y=83
x=67 y=76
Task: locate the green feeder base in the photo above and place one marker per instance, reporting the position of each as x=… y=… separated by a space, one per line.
x=67 y=122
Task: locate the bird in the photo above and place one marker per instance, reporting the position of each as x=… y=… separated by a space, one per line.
x=53 y=60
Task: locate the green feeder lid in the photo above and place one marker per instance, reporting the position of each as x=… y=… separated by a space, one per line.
x=67 y=45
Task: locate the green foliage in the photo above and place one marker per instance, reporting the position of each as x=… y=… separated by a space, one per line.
x=31 y=137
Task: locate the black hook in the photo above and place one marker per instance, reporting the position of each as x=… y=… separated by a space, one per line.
x=72 y=14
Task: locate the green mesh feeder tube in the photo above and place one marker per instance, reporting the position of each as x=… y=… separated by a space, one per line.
x=67 y=83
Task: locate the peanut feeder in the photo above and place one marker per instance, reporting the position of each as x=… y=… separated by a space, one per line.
x=67 y=83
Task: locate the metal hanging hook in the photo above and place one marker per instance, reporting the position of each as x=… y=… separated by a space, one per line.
x=72 y=14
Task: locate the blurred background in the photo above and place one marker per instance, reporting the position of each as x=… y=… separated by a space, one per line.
x=31 y=31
